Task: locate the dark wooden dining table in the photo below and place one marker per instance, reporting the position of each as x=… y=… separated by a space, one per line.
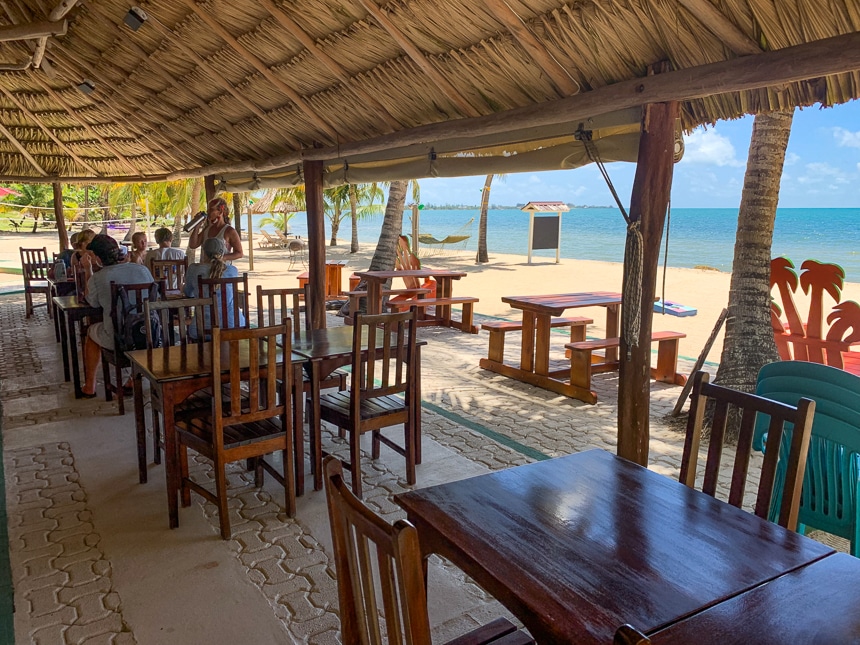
x=578 y=545
x=326 y=350
x=70 y=316
x=60 y=288
x=534 y=366
x=177 y=372
x=816 y=604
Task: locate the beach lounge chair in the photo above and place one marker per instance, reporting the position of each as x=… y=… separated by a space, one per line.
x=269 y=242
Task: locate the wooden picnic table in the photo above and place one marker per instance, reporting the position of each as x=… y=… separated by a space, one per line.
x=70 y=316
x=375 y=281
x=534 y=355
x=578 y=545
x=178 y=371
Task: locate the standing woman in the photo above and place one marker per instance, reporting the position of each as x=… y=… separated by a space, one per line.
x=215 y=226
x=213 y=267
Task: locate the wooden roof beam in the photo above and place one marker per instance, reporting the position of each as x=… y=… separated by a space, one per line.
x=419 y=59
x=87 y=126
x=33 y=30
x=559 y=76
x=333 y=66
x=724 y=29
x=47 y=131
x=22 y=150
x=835 y=55
x=251 y=59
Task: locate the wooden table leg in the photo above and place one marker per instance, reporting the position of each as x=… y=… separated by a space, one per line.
x=56 y=317
x=76 y=331
x=374 y=296
x=527 y=354
x=298 y=428
x=171 y=455
x=139 y=424
x=316 y=424
x=417 y=420
x=64 y=345
x=542 y=330
x=612 y=316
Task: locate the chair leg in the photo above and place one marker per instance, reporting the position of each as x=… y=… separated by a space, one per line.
x=120 y=393
x=289 y=488
x=184 y=490
x=374 y=450
x=258 y=472
x=106 y=378
x=156 y=433
x=409 y=445
x=28 y=298
x=221 y=492
x=355 y=461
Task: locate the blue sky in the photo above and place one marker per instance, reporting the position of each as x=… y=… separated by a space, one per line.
x=822 y=169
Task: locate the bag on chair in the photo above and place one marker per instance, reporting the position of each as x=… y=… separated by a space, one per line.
x=132 y=336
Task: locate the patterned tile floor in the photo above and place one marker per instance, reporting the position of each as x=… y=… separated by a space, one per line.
x=94 y=562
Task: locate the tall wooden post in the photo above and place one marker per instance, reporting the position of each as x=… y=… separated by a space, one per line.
x=313 y=171
x=209 y=187
x=60 y=216
x=238 y=198
x=648 y=204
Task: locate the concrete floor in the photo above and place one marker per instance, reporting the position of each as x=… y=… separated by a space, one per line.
x=93 y=560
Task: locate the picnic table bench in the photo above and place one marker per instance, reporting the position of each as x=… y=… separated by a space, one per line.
x=584 y=363
x=498 y=329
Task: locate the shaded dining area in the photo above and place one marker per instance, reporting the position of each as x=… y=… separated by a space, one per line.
x=278 y=476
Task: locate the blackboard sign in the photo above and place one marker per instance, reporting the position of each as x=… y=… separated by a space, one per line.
x=547 y=231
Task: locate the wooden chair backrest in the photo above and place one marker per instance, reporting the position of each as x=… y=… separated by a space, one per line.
x=253 y=395
x=748 y=405
x=212 y=287
x=182 y=310
x=386 y=367
x=171 y=271
x=34 y=264
x=360 y=539
x=276 y=305
x=405 y=260
x=137 y=293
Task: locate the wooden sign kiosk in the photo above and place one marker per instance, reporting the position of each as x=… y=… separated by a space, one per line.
x=545 y=230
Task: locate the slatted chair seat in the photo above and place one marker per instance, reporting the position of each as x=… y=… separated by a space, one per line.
x=339 y=402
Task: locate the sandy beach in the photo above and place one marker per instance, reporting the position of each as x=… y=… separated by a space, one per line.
x=505 y=275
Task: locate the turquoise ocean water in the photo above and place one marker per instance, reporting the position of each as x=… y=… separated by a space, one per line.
x=697 y=236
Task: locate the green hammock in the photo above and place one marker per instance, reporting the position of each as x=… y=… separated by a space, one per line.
x=451 y=239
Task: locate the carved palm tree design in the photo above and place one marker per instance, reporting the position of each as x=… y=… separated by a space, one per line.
x=783 y=275
x=818 y=278
x=844 y=317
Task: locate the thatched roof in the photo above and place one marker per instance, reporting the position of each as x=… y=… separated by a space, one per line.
x=245 y=89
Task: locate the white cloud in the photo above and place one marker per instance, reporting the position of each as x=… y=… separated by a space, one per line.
x=709 y=148
x=846 y=138
x=819 y=173
x=791 y=159
x=534 y=179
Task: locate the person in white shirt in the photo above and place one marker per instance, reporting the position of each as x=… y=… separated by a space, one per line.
x=114 y=269
x=216 y=225
x=164 y=239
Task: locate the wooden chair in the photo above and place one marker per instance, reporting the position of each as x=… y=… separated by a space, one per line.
x=361 y=538
x=174 y=316
x=748 y=406
x=222 y=311
x=171 y=271
x=136 y=293
x=274 y=306
x=253 y=422
x=34 y=268
x=369 y=405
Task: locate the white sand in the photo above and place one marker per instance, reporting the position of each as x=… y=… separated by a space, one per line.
x=505 y=275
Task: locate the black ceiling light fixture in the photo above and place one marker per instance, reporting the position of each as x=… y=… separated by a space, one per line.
x=135 y=18
x=87 y=86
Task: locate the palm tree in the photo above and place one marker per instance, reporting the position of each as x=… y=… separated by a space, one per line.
x=336 y=200
x=35 y=198
x=482 y=255
x=392 y=225
x=749 y=342
x=362 y=198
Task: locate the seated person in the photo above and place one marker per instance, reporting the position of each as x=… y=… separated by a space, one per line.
x=84 y=238
x=66 y=256
x=212 y=266
x=138 y=247
x=101 y=334
x=164 y=239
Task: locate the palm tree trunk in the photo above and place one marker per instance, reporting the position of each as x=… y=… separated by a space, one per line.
x=133 y=227
x=237 y=212
x=482 y=255
x=749 y=342
x=353 y=213
x=335 y=226
x=392 y=226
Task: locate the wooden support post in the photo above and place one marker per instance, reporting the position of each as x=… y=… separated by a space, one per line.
x=60 y=216
x=648 y=203
x=415 y=229
x=237 y=212
x=313 y=172
x=250 y=240
x=209 y=187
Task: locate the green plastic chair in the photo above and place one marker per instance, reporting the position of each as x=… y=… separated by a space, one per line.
x=831 y=486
